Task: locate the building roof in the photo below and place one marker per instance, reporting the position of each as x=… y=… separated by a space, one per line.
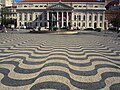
x=59 y=0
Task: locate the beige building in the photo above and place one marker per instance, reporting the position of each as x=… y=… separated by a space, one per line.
x=7 y=2
x=75 y=14
x=12 y=12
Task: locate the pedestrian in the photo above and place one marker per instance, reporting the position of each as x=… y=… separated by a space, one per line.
x=12 y=27
x=4 y=29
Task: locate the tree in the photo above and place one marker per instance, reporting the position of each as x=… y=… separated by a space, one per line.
x=4 y=13
x=116 y=21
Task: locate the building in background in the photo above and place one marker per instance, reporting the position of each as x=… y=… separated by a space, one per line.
x=64 y=13
x=113 y=9
x=0 y=11
x=7 y=2
x=8 y=11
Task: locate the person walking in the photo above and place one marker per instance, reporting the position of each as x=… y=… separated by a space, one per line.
x=4 y=29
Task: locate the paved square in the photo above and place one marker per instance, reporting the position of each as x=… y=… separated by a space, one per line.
x=89 y=60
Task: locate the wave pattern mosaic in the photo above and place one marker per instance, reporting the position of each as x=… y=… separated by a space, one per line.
x=62 y=62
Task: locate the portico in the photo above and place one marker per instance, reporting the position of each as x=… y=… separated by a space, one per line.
x=59 y=15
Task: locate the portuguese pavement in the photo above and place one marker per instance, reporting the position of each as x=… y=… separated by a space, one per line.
x=85 y=61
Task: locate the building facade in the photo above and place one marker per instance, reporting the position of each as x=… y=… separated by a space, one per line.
x=75 y=14
x=113 y=10
x=0 y=11
x=7 y=2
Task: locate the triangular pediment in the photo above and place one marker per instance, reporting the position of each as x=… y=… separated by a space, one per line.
x=60 y=6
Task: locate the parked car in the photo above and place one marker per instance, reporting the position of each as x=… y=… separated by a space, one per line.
x=91 y=29
x=98 y=29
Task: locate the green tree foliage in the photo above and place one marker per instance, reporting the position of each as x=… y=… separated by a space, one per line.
x=4 y=13
x=116 y=21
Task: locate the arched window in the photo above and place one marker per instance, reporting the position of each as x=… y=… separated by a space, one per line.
x=75 y=6
x=84 y=17
x=96 y=6
x=95 y=18
x=36 y=6
x=84 y=6
x=25 y=6
x=41 y=6
x=79 y=17
x=90 y=18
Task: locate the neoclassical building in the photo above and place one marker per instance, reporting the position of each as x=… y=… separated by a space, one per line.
x=75 y=14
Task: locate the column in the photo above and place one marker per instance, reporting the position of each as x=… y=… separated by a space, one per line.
x=87 y=19
x=67 y=19
x=62 y=20
x=18 y=21
x=43 y=19
x=72 y=20
x=98 y=20
x=33 y=15
x=22 y=21
x=92 y=20
x=47 y=19
x=28 y=17
x=103 y=19
x=57 y=19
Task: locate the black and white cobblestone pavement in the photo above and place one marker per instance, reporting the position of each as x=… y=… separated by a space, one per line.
x=88 y=60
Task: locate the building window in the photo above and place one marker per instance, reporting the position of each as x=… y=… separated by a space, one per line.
x=36 y=24
x=83 y=24
x=84 y=17
x=41 y=24
x=74 y=17
x=20 y=17
x=25 y=17
x=95 y=18
x=41 y=17
x=79 y=17
x=75 y=24
x=75 y=6
x=96 y=6
x=41 y=6
x=100 y=24
x=45 y=16
x=101 y=18
x=79 y=24
x=36 y=6
x=80 y=6
x=84 y=6
x=45 y=24
x=90 y=18
x=20 y=23
x=25 y=6
x=89 y=24
x=25 y=23
x=31 y=16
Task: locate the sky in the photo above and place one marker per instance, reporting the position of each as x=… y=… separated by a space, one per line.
x=18 y=0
